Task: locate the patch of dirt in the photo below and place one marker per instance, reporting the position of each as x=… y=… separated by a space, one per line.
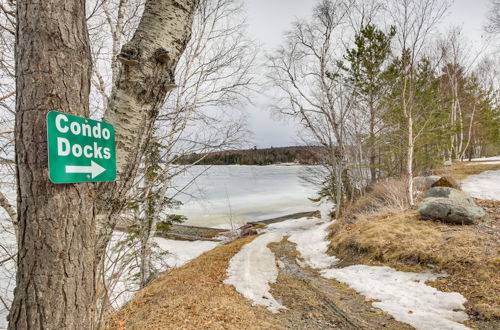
x=317 y=303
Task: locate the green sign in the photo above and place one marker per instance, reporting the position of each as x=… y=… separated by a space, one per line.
x=80 y=149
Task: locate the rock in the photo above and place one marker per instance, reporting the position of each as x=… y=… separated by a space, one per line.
x=425 y=182
x=449 y=205
x=248 y=231
x=446 y=192
x=446 y=181
x=448 y=163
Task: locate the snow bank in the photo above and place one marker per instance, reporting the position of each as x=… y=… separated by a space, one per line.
x=181 y=252
x=485 y=185
x=404 y=295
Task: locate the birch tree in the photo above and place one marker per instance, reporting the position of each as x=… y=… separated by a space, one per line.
x=459 y=60
x=414 y=21
x=215 y=75
x=305 y=72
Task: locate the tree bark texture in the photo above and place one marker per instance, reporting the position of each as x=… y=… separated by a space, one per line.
x=55 y=275
x=146 y=74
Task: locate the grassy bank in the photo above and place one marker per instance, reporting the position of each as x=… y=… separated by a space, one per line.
x=378 y=230
x=194 y=297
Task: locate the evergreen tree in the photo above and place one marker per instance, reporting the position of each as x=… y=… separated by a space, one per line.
x=364 y=68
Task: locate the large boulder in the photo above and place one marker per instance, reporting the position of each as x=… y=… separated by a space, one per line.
x=425 y=182
x=449 y=205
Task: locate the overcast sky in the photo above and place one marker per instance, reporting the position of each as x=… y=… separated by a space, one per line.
x=268 y=20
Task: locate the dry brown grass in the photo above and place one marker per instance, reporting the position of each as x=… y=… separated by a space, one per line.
x=380 y=229
x=470 y=254
x=194 y=297
x=460 y=171
x=386 y=194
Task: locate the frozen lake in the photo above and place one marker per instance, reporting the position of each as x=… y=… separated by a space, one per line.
x=219 y=196
x=222 y=194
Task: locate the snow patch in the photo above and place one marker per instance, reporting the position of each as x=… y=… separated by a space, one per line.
x=486 y=158
x=485 y=185
x=123 y=283
x=253 y=269
x=405 y=295
x=484 y=163
x=312 y=245
x=181 y=252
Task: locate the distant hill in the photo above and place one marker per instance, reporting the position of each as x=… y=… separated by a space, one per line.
x=268 y=156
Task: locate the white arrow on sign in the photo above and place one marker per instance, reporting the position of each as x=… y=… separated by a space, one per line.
x=94 y=169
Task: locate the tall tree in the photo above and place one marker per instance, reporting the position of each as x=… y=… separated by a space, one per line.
x=57 y=234
x=305 y=71
x=414 y=21
x=55 y=277
x=365 y=66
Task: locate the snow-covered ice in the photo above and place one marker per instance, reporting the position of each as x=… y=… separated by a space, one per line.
x=242 y=193
x=485 y=185
x=405 y=295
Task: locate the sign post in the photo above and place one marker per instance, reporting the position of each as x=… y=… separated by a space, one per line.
x=80 y=149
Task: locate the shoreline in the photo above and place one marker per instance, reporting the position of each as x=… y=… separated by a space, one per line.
x=200 y=233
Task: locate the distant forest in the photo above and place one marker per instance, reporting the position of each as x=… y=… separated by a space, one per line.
x=254 y=156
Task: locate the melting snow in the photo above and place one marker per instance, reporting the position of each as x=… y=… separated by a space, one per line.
x=181 y=252
x=485 y=185
x=312 y=245
x=253 y=268
x=484 y=163
x=404 y=295
x=486 y=158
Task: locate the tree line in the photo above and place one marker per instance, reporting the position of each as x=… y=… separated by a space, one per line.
x=385 y=98
x=267 y=156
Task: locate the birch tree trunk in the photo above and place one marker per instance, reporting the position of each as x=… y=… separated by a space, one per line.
x=409 y=159
x=55 y=274
x=146 y=74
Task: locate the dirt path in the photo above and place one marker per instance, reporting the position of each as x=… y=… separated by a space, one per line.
x=317 y=303
x=194 y=297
